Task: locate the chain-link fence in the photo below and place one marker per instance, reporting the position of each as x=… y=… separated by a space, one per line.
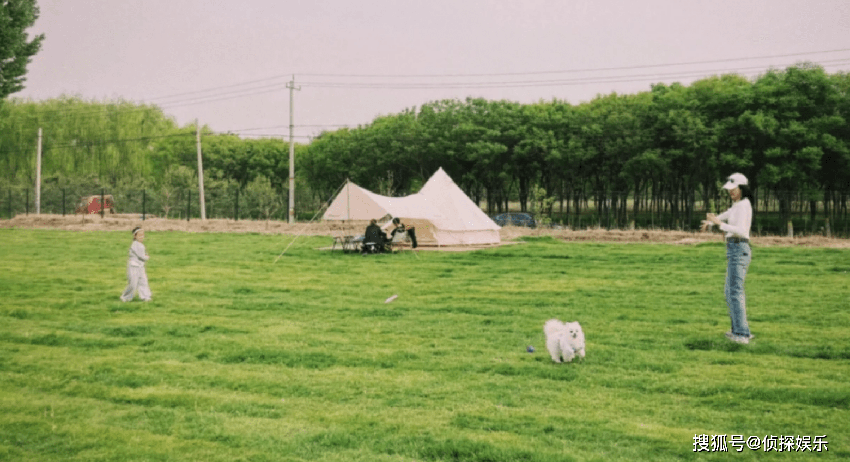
x=182 y=204
x=805 y=215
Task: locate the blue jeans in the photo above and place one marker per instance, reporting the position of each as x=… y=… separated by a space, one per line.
x=738 y=257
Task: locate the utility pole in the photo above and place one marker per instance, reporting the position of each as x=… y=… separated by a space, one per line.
x=38 y=175
x=292 y=88
x=200 y=172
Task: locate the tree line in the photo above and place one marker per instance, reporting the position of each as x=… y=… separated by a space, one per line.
x=655 y=153
x=127 y=148
x=786 y=130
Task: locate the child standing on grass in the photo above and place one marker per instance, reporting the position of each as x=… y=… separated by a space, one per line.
x=137 y=279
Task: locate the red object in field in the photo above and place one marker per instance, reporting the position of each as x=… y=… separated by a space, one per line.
x=91 y=204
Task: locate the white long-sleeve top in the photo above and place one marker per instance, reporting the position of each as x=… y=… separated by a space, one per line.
x=738 y=219
x=138 y=254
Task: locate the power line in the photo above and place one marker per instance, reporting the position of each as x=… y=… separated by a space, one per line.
x=86 y=113
x=267 y=135
x=88 y=143
x=269 y=88
x=539 y=83
x=286 y=126
x=390 y=86
x=273 y=87
x=221 y=97
x=82 y=143
x=567 y=71
x=215 y=88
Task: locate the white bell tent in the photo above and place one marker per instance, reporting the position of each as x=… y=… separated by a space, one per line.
x=442 y=214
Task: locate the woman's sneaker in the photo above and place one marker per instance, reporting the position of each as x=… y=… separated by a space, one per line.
x=739 y=338
x=729 y=334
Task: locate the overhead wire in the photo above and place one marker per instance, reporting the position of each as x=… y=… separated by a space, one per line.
x=230 y=95
x=214 y=88
x=754 y=70
x=144 y=106
x=251 y=88
x=262 y=86
x=89 y=143
x=81 y=143
x=213 y=94
x=565 y=71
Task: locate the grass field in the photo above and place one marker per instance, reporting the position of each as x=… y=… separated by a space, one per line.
x=240 y=359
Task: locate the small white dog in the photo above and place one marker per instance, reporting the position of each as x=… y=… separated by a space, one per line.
x=564 y=339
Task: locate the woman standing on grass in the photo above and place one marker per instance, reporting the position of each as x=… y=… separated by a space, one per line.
x=137 y=279
x=738 y=220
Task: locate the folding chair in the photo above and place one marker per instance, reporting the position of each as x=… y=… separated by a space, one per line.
x=399 y=241
x=371 y=247
x=353 y=243
x=339 y=241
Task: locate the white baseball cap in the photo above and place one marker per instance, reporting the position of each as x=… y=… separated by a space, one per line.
x=735 y=180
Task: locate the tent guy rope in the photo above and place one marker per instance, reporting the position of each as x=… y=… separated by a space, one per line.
x=306 y=225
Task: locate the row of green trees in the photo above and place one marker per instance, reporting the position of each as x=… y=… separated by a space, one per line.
x=786 y=130
x=114 y=141
x=124 y=143
x=121 y=146
x=661 y=151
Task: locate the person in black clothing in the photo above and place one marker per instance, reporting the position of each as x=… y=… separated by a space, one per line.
x=400 y=228
x=374 y=238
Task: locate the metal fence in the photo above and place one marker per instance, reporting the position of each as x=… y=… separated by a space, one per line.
x=243 y=204
x=183 y=204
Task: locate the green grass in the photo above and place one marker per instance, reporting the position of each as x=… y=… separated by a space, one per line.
x=240 y=359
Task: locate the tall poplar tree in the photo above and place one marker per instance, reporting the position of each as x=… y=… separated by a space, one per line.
x=16 y=50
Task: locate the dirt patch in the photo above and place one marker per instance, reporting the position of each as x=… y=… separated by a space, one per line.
x=669 y=237
x=126 y=222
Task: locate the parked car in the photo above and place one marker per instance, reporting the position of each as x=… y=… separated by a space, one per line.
x=91 y=204
x=515 y=219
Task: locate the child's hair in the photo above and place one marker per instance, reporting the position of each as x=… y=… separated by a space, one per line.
x=396 y=220
x=136 y=230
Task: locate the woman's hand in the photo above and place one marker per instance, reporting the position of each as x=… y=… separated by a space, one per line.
x=711 y=219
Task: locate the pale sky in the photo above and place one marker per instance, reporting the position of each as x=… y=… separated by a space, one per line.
x=227 y=62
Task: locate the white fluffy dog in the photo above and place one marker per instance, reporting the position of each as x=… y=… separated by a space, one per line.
x=564 y=340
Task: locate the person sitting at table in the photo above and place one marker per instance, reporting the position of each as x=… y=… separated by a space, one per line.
x=374 y=238
x=401 y=228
